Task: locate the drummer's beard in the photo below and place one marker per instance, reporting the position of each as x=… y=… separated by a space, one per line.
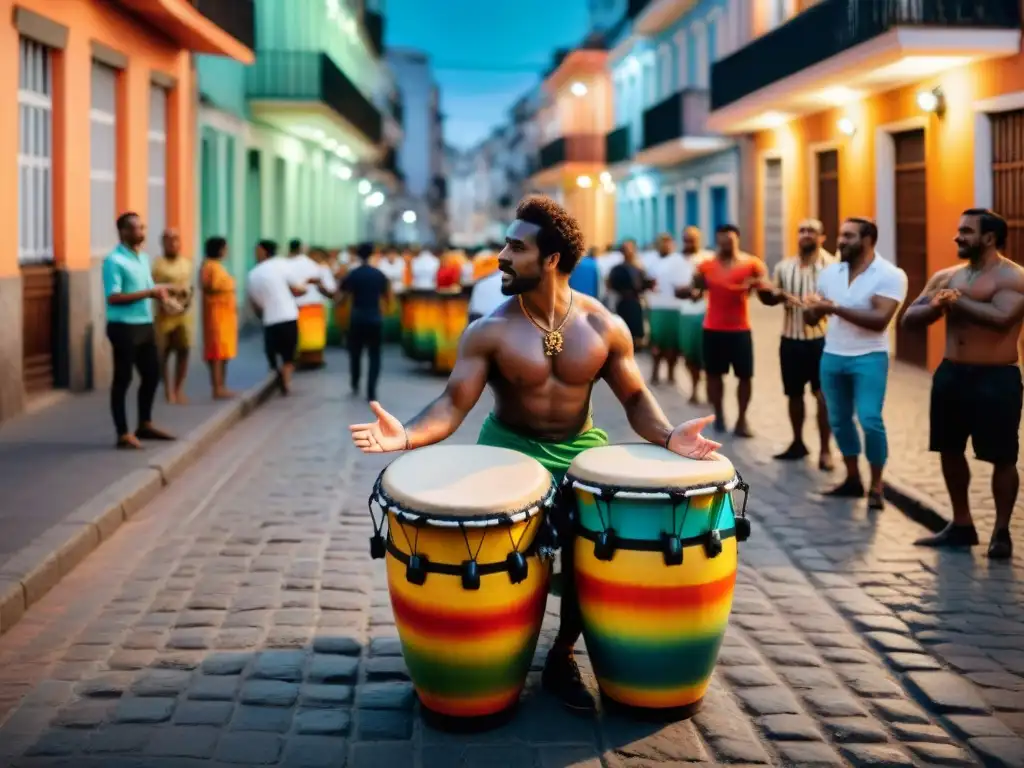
x=513 y=284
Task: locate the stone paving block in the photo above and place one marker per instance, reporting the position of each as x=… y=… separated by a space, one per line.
x=876 y=754
x=386 y=668
x=381 y=755
x=249 y=748
x=941 y=754
x=106 y=686
x=907 y=662
x=269 y=693
x=137 y=709
x=808 y=753
x=214 y=687
x=279 y=665
x=255 y=718
x=323 y=722
x=775 y=700
x=748 y=676
x=789 y=728
x=971 y=726
x=856 y=730
x=86 y=713
x=225 y=663
x=59 y=742
x=203 y=713
x=316 y=696
x=347 y=646
x=388 y=696
x=191 y=741
x=315 y=752
x=384 y=725
x=161 y=682
x=945 y=692
x=917 y=732
x=121 y=739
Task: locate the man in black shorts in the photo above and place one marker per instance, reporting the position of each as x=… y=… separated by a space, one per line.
x=802 y=345
x=273 y=287
x=368 y=287
x=976 y=391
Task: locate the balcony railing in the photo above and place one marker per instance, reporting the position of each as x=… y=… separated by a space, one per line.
x=833 y=26
x=682 y=114
x=616 y=145
x=575 y=148
x=299 y=76
x=375 y=30
x=636 y=7
x=236 y=17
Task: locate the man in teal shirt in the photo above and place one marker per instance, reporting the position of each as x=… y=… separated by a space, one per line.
x=129 y=289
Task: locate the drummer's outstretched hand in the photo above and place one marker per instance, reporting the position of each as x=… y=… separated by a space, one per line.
x=686 y=439
x=384 y=435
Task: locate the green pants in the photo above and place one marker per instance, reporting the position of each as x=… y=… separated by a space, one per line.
x=555 y=457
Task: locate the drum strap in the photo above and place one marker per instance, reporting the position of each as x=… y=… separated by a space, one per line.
x=650 y=545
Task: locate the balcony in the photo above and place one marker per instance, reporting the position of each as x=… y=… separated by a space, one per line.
x=675 y=130
x=652 y=16
x=616 y=146
x=839 y=49
x=374 y=23
x=298 y=88
x=236 y=17
x=576 y=148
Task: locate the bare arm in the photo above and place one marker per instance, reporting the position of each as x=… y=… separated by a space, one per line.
x=115 y=299
x=1004 y=311
x=922 y=312
x=627 y=383
x=465 y=385
x=874 y=319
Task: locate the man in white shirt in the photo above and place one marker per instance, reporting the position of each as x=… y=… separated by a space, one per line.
x=862 y=294
x=486 y=296
x=273 y=288
x=393 y=267
x=424 y=271
x=312 y=319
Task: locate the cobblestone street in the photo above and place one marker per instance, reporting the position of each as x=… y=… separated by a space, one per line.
x=238 y=620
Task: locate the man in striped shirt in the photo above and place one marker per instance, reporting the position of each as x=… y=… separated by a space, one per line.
x=802 y=345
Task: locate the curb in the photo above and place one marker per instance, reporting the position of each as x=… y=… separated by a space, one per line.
x=39 y=567
x=915 y=505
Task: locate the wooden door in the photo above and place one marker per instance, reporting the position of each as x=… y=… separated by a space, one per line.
x=911 y=236
x=1008 y=177
x=38 y=311
x=828 y=196
x=774 y=233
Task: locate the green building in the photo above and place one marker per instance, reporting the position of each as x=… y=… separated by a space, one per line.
x=292 y=146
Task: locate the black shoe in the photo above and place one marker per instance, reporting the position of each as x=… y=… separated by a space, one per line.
x=719 y=425
x=950 y=537
x=848 y=489
x=876 y=501
x=1000 y=547
x=561 y=678
x=795 y=452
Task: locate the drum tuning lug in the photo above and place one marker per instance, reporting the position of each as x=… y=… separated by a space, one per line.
x=713 y=546
x=470 y=575
x=378 y=549
x=742 y=529
x=672 y=549
x=604 y=547
x=518 y=568
x=416 y=570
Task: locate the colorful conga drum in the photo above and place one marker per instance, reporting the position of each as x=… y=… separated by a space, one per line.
x=468 y=559
x=454 y=316
x=418 y=312
x=655 y=567
x=391 y=309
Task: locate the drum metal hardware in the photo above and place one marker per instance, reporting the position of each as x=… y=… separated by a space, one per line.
x=672 y=549
x=604 y=545
x=518 y=567
x=470 y=575
x=416 y=570
x=378 y=547
x=742 y=523
x=713 y=545
x=742 y=529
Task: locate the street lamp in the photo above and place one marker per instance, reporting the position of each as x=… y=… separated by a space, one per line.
x=579 y=89
x=409 y=217
x=376 y=200
x=364 y=187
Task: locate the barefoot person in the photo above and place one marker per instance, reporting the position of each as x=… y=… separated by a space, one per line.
x=220 y=316
x=802 y=345
x=542 y=352
x=861 y=295
x=976 y=390
x=174 y=326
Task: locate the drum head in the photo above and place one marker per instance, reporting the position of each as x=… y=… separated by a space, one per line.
x=465 y=481
x=648 y=467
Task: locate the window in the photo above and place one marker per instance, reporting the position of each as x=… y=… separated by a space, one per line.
x=682 y=60
x=699 y=59
x=692 y=208
x=650 y=85
x=103 y=160
x=670 y=214
x=157 y=183
x=712 y=37
x=35 y=154
x=719 y=208
x=665 y=70
x=692 y=58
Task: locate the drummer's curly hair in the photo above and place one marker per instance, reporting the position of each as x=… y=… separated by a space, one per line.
x=559 y=231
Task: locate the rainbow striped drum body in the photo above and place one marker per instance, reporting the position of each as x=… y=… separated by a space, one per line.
x=467 y=573
x=655 y=568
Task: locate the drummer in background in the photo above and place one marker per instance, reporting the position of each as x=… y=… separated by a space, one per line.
x=542 y=353
x=486 y=296
x=424 y=267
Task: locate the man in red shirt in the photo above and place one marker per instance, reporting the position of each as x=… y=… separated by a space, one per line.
x=727 y=280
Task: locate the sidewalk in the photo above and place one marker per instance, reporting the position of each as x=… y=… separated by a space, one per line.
x=65 y=487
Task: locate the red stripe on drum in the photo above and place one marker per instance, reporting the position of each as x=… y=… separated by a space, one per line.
x=593 y=588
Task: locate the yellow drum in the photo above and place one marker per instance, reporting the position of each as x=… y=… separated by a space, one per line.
x=655 y=569
x=468 y=567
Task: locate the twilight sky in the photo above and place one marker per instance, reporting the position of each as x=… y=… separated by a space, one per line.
x=485 y=53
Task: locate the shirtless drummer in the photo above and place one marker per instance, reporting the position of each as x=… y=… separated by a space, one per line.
x=976 y=391
x=541 y=353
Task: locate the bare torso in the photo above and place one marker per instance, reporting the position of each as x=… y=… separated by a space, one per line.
x=974 y=343
x=545 y=397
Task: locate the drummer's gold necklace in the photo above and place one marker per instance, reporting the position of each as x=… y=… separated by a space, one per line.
x=552 y=338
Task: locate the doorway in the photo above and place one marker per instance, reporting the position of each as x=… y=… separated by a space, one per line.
x=774 y=236
x=828 y=196
x=911 y=235
x=1008 y=177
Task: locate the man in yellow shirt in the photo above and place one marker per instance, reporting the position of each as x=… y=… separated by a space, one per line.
x=174 y=316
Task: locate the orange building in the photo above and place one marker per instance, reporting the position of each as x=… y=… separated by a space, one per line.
x=99 y=118
x=573 y=123
x=905 y=112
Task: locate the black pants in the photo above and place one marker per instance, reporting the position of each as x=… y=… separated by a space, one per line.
x=363 y=335
x=134 y=348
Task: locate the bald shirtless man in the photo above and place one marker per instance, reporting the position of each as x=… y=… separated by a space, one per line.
x=976 y=391
x=541 y=353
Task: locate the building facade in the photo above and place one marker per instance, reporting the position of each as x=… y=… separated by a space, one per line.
x=290 y=147
x=573 y=121
x=858 y=123
x=671 y=170
x=421 y=154
x=100 y=119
